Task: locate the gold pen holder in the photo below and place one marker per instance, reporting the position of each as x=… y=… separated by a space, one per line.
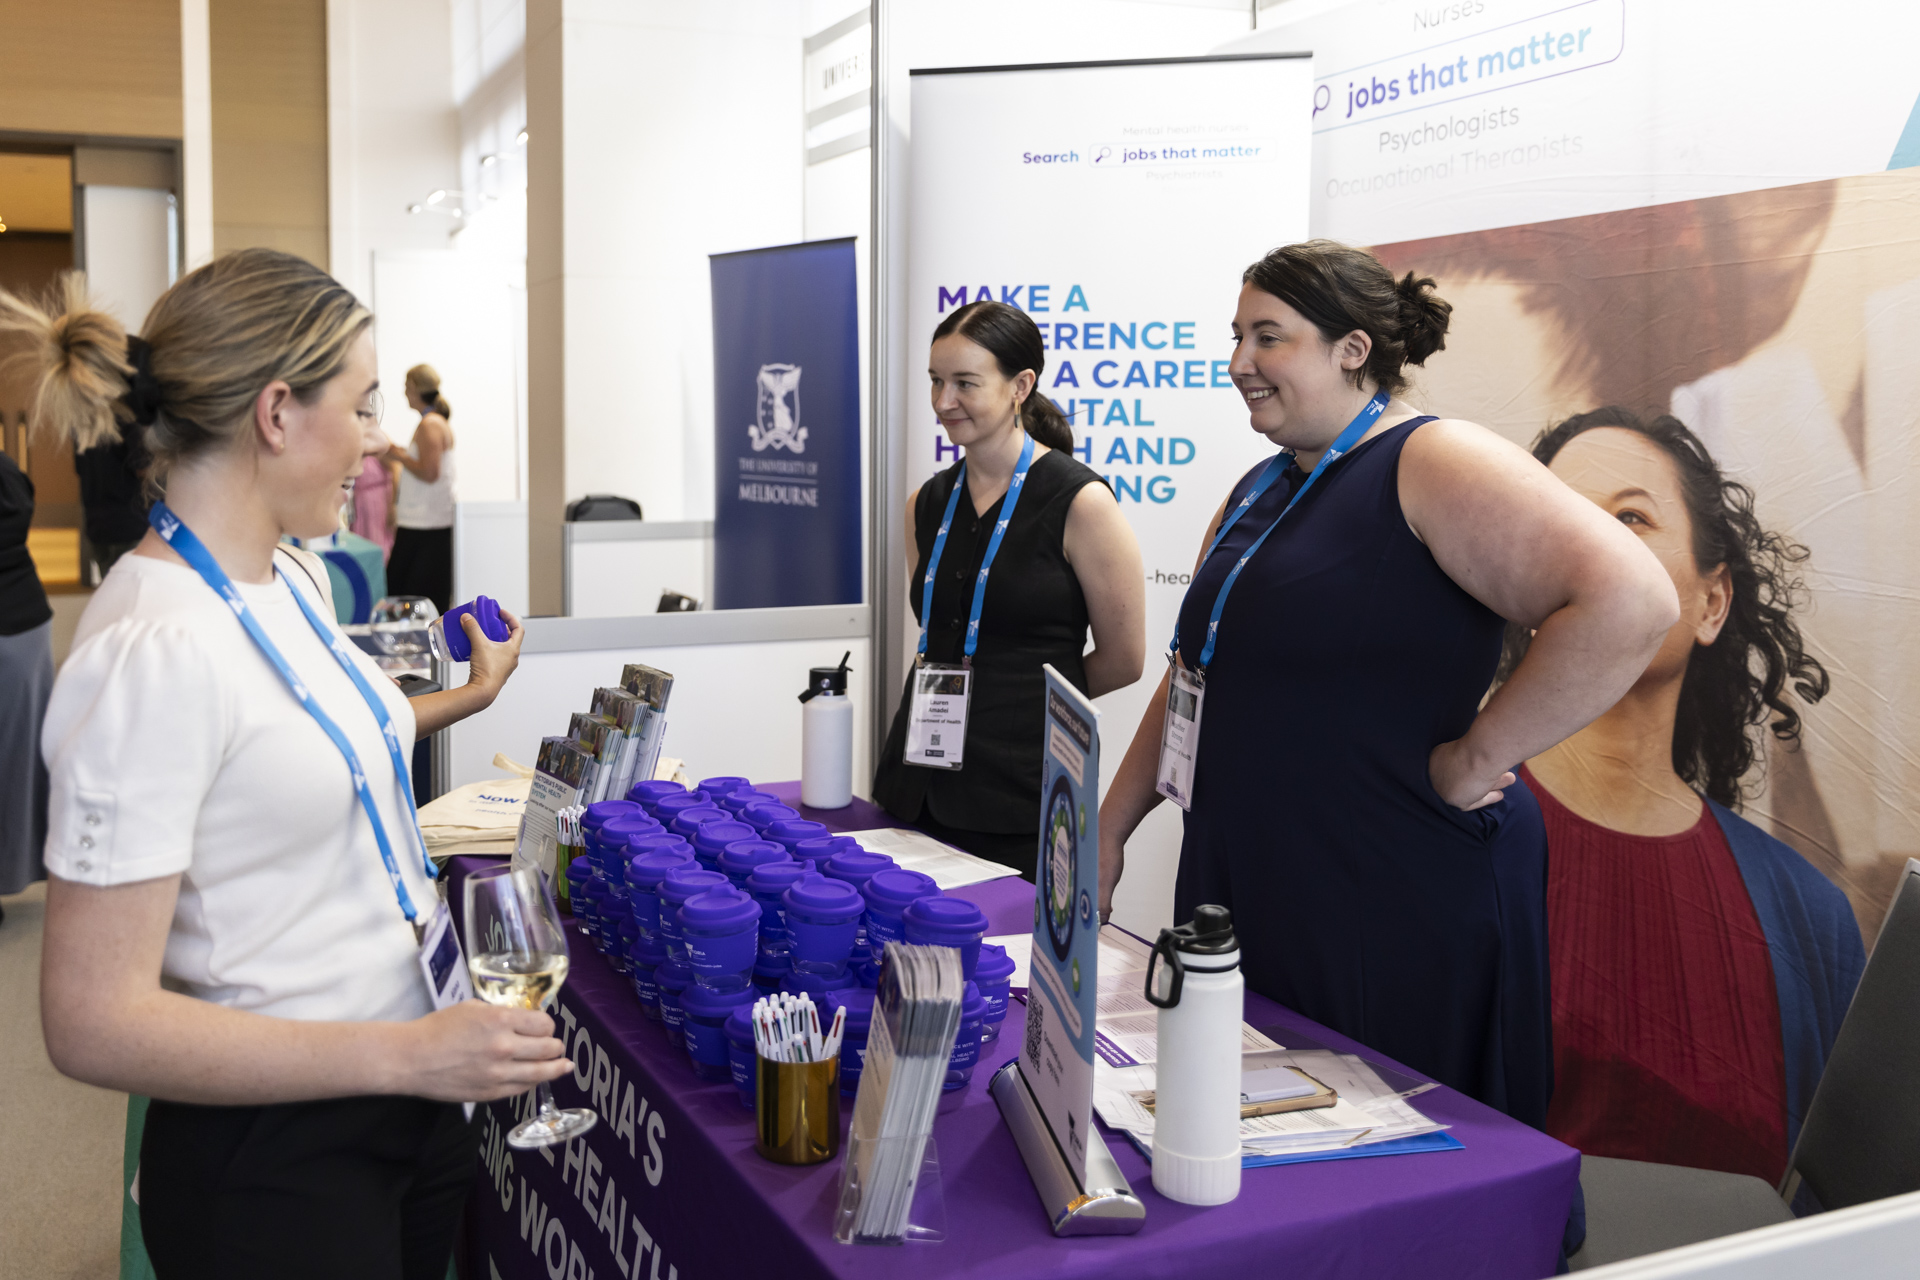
x=796 y=1110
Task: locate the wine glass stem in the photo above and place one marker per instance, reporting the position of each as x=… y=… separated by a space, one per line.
x=544 y=1098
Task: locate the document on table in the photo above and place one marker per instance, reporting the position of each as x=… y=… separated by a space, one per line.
x=950 y=868
x=1019 y=949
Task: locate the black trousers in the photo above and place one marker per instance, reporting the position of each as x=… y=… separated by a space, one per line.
x=422 y=565
x=369 y=1188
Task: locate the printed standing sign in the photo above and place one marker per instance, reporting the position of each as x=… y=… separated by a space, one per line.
x=786 y=401
x=1057 y=1057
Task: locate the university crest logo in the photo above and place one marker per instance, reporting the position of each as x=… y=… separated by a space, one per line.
x=777 y=406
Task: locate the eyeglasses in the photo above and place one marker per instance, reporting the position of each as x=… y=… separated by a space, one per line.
x=373 y=410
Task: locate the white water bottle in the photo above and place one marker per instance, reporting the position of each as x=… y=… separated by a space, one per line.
x=826 y=739
x=1194 y=978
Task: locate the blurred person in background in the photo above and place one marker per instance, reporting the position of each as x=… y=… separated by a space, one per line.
x=421 y=563
x=26 y=681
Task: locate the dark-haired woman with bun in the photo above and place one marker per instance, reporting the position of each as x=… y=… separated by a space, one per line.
x=1020 y=513
x=1701 y=968
x=1349 y=798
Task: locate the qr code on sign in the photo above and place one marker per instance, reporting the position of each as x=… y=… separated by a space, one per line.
x=1034 y=1018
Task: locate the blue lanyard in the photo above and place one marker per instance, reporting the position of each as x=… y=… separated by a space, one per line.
x=986 y=563
x=195 y=553
x=1280 y=462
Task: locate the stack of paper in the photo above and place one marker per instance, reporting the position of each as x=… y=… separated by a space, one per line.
x=1125 y=1035
x=916 y=1014
x=950 y=868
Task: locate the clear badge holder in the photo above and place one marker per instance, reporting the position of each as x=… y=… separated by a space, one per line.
x=860 y=1219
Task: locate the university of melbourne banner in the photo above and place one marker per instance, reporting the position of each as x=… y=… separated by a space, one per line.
x=786 y=420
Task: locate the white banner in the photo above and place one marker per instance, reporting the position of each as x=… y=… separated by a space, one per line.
x=1432 y=117
x=1117 y=205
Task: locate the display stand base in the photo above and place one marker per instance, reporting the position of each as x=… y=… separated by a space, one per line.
x=1104 y=1206
x=926 y=1207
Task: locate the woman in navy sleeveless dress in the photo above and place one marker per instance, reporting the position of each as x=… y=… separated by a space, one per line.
x=1351 y=803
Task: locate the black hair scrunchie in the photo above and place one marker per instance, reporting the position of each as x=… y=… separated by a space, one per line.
x=142 y=399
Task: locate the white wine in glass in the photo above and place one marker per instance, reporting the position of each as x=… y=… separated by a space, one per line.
x=517 y=953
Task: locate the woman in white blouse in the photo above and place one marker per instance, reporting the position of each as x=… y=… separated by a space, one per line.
x=223 y=932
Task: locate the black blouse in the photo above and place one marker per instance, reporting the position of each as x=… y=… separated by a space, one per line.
x=23 y=602
x=1034 y=613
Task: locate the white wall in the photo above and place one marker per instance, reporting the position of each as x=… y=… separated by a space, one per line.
x=129 y=247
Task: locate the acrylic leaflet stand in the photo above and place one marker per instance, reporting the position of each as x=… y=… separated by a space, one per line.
x=926 y=1218
x=1104 y=1205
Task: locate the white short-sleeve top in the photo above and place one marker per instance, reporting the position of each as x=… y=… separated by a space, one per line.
x=174 y=747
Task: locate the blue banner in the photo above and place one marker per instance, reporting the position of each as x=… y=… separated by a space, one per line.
x=787 y=516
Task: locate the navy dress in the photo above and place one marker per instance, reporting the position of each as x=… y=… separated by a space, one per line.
x=1361 y=898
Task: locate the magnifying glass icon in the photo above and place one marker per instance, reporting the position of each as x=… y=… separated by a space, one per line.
x=1322 y=98
x=1103 y=154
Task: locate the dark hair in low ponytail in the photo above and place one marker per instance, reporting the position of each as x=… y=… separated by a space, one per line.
x=1010 y=336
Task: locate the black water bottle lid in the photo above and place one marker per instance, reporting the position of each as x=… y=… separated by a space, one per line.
x=1209 y=934
x=827 y=679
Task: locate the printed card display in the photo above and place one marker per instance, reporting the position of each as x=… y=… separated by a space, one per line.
x=1056 y=1059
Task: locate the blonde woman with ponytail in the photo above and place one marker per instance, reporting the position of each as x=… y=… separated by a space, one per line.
x=422 y=559
x=222 y=931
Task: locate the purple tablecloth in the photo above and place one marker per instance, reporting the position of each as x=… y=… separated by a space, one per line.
x=668 y=1184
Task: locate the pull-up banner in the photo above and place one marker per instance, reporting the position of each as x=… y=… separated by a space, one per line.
x=786 y=399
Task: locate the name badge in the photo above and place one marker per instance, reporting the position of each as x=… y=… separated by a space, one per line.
x=441 y=963
x=937 y=716
x=1180 y=734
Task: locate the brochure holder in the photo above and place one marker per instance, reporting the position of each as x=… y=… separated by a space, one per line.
x=926 y=1216
x=1104 y=1205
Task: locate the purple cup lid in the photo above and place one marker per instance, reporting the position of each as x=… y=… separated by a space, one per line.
x=892 y=889
x=740 y=797
x=705 y=1002
x=683 y=883
x=486 y=612
x=713 y=837
x=739 y=1028
x=857 y=866
x=777 y=877
x=648 y=794
x=598 y=888
x=994 y=965
x=742 y=856
x=673 y=805
x=857 y=1001
x=817 y=895
x=641 y=846
x=821 y=848
x=724 y=783
x=651 y=952
x=649 y=869
x=622 y=829
x=693 y=817
x=950 y=917
x=577 y=872
x=720 y=909
x=973 y=1005
x=794 y=830
x=817 y=985
x=762 y=814
x=674 y=975
x=597 y=815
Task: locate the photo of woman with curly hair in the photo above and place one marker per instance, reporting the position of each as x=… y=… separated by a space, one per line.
x=1700 y=967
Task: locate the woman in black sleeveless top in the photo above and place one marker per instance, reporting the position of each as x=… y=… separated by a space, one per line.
x=1353 y=803
x=1067 y=561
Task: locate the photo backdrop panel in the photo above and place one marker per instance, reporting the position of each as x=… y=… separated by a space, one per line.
x=1117 y=205
x=1777 y=324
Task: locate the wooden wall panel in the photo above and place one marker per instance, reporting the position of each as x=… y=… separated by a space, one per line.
x=270 y=125
x=107 y=67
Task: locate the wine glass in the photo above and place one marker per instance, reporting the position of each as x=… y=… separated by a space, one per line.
x=400 y=624
x=517 y=953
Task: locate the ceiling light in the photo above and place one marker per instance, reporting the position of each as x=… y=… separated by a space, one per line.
x=520 y=139
x=489 y=160
x=416 y=208
x=436 y=197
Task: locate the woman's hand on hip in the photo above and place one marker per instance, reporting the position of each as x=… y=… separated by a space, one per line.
x=1462 y=781
x=477 y=1052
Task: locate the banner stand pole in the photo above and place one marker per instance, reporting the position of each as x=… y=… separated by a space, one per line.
x=1104 y=1206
